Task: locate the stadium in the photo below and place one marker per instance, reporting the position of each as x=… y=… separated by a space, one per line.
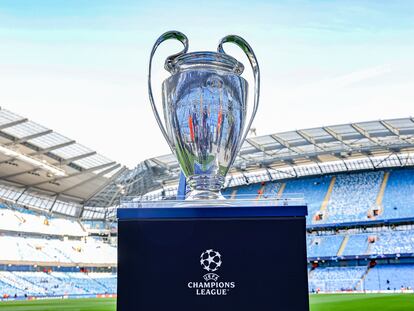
x=59 y=199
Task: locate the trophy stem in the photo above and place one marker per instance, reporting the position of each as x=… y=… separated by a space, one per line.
x=205 y=187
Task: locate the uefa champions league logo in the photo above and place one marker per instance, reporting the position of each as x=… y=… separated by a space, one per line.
x=211 y=260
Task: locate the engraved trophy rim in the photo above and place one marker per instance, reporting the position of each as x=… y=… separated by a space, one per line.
x=204 y=59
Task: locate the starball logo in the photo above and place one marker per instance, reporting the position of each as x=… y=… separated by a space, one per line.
x=211 y=260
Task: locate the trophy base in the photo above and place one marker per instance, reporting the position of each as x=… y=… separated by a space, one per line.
x=205 y=187
x=194 y=195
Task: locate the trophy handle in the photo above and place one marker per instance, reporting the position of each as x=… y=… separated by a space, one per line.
x=168 y=66
x=240 y=42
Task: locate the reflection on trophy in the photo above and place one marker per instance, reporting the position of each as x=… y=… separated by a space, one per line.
x=205 y=107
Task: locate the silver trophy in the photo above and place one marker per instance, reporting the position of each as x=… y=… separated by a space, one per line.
x=205 y=107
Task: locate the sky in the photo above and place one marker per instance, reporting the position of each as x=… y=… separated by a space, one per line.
x=80 y=67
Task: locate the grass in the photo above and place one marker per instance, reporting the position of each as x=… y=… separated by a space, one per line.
x=365 y=302
x=340 y=302
x=96 y=304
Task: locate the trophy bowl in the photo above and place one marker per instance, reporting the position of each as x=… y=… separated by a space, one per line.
x=205 y=108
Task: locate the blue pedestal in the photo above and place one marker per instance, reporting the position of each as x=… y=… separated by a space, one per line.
x=212 y=258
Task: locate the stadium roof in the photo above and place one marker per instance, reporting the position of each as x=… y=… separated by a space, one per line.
x=45 y=170
x=315 y=151
x=322 y=144
x=41 y=169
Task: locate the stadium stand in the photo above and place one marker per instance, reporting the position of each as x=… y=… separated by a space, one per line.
x=17 y=221
x=56 y=283
x=313 y=189
x=324 y=246
x=352 y=196
x=249 y=191
x=29 y=240
x=335 y=278
x=398 y=199
x=357 y=245
x=393 y=242
x=390 y=277
x=48 y=250
x=271 y=189
x=58 y=203
x=385 y=242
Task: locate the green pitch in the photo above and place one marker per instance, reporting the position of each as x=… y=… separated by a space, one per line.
x=344 y=302
x=102 y=304
x=365 y=302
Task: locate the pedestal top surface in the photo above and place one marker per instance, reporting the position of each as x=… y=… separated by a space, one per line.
x=211 y=211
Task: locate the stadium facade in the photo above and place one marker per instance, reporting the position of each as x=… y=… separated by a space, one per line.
x=58 y=200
